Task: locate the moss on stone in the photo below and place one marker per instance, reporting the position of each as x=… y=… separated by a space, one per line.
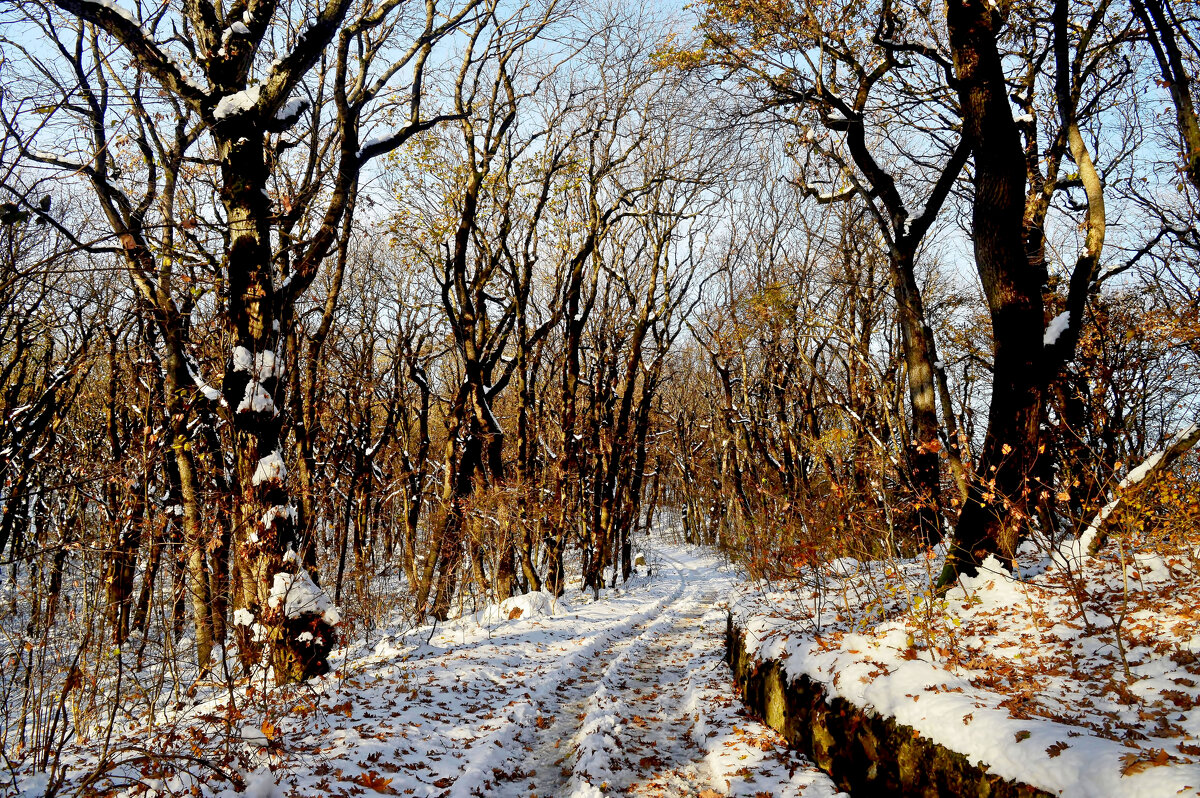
x=865 y=754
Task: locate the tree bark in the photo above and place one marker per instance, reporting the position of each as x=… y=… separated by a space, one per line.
x=996 y=510
x=254 y=389
x=1160 y=31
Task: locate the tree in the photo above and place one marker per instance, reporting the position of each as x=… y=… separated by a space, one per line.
x=354 y=53
x=1008 y=231
x=866 y=90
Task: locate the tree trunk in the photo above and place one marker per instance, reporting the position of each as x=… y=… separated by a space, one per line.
x=254 y=389
x=995 y=512
x=194 y=538
x=1162 y=36
x=923 y=451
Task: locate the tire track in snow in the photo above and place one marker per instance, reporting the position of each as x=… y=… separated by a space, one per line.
x=545 y=699
x=662 y=719
x=598 y=742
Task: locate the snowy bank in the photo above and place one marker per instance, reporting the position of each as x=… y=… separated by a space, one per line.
x=863 y=751
x=1082 y=678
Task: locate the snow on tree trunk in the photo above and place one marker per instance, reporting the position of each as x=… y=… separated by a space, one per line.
x=298 y=635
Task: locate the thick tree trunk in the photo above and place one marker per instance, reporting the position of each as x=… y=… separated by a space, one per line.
x=298 y=633
x=996 y=510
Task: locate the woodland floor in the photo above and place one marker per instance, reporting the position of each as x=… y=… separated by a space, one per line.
x=1077 y=675
x=627 y=695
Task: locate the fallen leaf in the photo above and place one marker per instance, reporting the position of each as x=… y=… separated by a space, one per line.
x=374 y=781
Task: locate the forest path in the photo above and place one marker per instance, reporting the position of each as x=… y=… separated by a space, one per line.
x=626 y=724
x=625 y=695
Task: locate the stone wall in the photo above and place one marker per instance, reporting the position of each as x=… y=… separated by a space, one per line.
x=866 y=754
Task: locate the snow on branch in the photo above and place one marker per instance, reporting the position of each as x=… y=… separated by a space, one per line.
x=122 y=25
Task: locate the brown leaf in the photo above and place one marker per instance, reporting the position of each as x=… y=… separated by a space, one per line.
x=1056 y=749
x=1136 y=763
x=374 y=781
x=515 y=613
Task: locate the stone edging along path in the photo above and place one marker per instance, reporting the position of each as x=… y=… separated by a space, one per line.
x=864 y=753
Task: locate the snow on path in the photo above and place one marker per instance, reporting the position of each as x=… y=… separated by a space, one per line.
x=628 y=695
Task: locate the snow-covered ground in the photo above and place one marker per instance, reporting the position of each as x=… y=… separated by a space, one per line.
x=1081 y=676
x=538 y=697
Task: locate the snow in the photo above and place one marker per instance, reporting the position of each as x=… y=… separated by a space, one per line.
x=371 y=142
x=261 y=784
x=256 y=400
x=210 y=393
x=1135 y=476
x=290 y=110
x=276 y=512
x=1012 y=672
x=491 y=705
x=630 y=694
x=185 y=73
x=270 y=468
x=35 y=785
x=254 y=735
x=239 y=103
x=1058 y=325
x=844 y=566
x=243 y=617
x=297 y=594
x=242 y=359
x=529 y=605
x=267 y=365
x=1024 y=119
x=262 y=366
x=239 y=29
x=120 y=11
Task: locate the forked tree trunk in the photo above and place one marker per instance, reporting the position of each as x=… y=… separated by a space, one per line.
x=996 y=509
